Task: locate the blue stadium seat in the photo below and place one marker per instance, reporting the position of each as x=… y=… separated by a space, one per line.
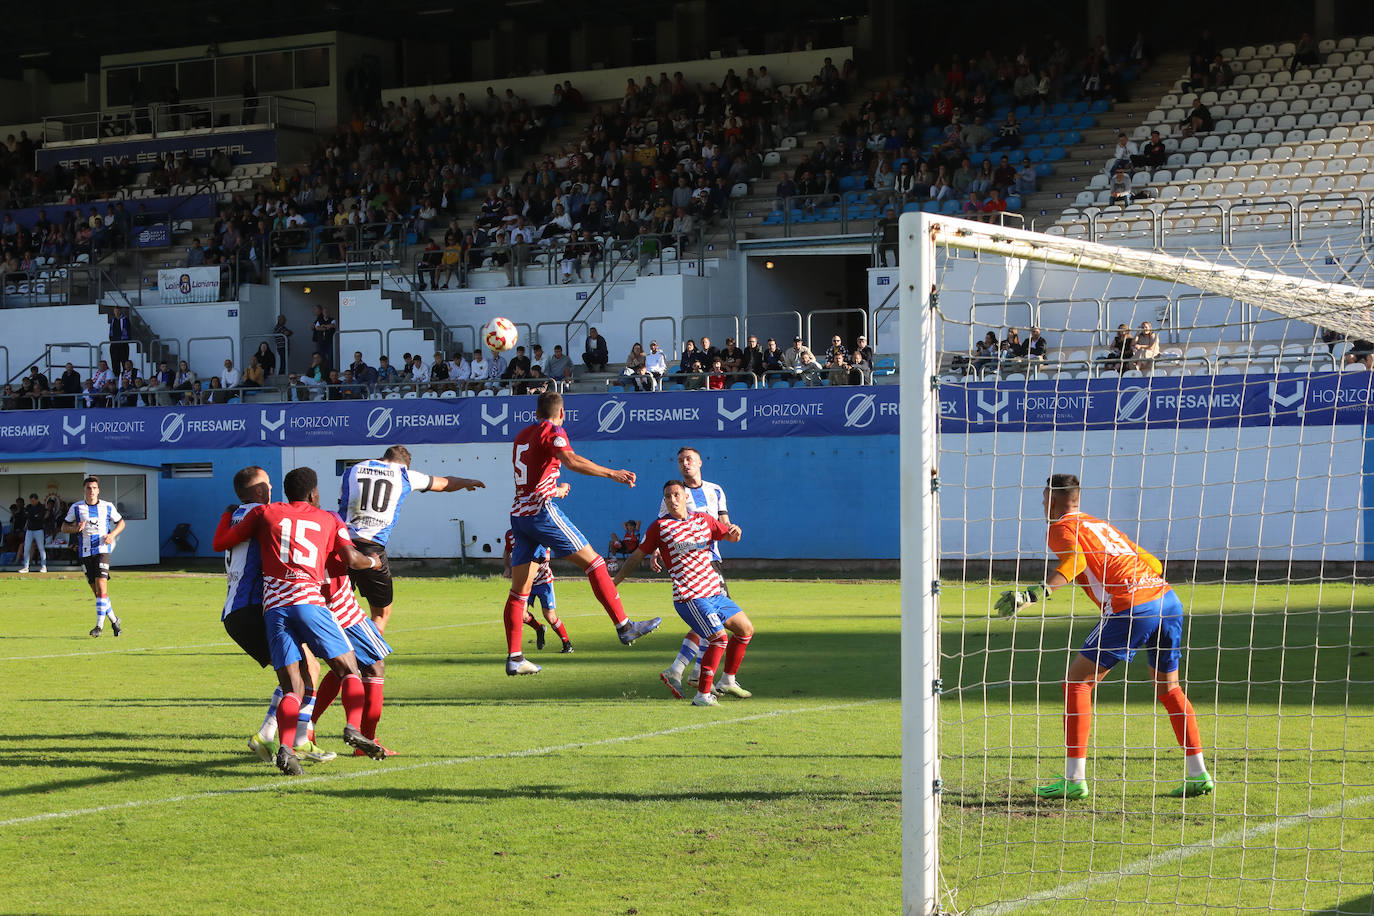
x=1014 y=204
x=1059 y=108
x=1030 y=140
x=1055 y=154
x=1043 y=168
x=1022 y=112
x=1080 y=107
x=1070 y=138
x=849 y=183
x=466 y=194
x=1085 y=122
x=675 y=386
x=1100 y=106
x=486 y=178
x=930 y=206
x=884 y=366
x=733 y=385
x=952 y=208
x=1053 y=138
x=780 y=383
x=1064 y=123
x=1035 y=155
x=774 y=218
x=912 y=207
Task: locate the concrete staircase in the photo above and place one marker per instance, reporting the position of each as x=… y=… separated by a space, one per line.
x=1088 y=158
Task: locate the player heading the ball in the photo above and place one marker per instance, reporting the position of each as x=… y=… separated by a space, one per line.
x=537 y=454
x=1139 y=611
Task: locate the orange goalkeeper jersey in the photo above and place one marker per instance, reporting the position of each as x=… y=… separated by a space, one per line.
x=1115 y=572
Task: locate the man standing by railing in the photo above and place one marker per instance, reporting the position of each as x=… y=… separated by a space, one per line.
x=119 y=336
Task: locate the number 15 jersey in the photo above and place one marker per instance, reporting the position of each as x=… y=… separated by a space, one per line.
x=372 y=495
x=535 y=456
x=295 y=541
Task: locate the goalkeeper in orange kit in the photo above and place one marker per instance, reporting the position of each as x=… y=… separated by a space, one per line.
x=1139 y=611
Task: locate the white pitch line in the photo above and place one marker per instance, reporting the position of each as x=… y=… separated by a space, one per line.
x=211 y=645
x=277 y=785
x=1235 y=840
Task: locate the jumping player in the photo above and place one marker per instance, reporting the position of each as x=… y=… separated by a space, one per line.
x=98 y=523
x=703 y=496
x=243 y=621
x=1139 y=610
x=295 y=539
x=542 y=590
x=368 y=645
x=537 y=454
x=698 y=590
x=370 y=501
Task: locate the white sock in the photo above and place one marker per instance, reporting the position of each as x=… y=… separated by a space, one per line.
x=268 y=731
x=1196 y=765
x=304 y=727
x=1075 y=768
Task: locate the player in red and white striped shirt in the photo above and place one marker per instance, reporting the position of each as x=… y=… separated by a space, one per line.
x=369 y=646
x=537 y=454
x=541 y=591
x=686 y=538
x=295 y=539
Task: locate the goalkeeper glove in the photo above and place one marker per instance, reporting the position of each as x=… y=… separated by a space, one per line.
x=1013 y=601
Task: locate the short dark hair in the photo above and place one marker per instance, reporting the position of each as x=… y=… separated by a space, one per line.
x=33 y=496
x=397 y=453
x=91 y=479
x=674 y=483
x=549 y=404
x=298 y=484
x=687 y=448
x=242 y=480
x=1063 y=483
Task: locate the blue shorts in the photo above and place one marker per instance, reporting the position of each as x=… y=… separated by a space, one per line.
x=545 y=595
x=1156 y=626
x=288 y=627
x=367 y=642
x=706 y=616
x=549 y=528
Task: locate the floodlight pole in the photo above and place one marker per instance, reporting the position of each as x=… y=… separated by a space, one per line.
x=920 y=567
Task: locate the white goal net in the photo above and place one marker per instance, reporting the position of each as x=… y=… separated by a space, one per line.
x=1214 y=407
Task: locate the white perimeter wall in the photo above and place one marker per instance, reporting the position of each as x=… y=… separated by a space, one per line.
x=1281 y=493
x=428 y=523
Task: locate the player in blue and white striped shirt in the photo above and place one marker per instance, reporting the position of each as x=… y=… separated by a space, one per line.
x=97 y=523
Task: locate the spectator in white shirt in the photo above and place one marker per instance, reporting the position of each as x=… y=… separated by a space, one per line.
x=1121 y=155
x=229 y=378
x=458 y=372
x=656 y=362
x=418 y=372
x=477 y=371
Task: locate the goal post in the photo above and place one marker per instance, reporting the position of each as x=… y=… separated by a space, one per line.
x=1239 y=455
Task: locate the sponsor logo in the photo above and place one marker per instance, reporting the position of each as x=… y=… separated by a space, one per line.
x=1284 y=401
x=77 y=432
x=610 y=418
x=379 y=423
x=173 y=426
x=992 y=410
x=739 y=414
x=859 y=411
x=184 y=284
x=884 y=281
x=277 y=426
x=479 y=300
x=1133 y=404
x=494 y=419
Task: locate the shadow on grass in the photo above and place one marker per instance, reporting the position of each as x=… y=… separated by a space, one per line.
x=1362 y=906
x=114 y=770
x=431 y=794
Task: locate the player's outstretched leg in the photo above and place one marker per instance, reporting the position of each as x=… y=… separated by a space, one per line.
x=1078 y=712
x=264 y=740
x=605 y=591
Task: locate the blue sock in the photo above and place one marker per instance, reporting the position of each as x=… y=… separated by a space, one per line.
x=303 y=727
x=102 y=608
x=685 y=655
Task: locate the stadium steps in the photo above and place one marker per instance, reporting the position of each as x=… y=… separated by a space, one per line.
x=1089 y=158
x=420 y=316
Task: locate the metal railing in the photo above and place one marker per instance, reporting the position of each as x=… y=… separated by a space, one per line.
x=1300 y=216
x=848 y=207
x=862 y=313
x=231 y=112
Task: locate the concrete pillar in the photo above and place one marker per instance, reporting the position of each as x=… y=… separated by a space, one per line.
x=1096 y=19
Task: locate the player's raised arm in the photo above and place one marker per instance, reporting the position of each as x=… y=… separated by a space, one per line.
x=351 y=555
x=629 y=565
x=575 y=462
x=228 y=535
x=449 y=484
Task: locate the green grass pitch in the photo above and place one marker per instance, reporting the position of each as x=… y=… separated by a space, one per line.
x=127 y=787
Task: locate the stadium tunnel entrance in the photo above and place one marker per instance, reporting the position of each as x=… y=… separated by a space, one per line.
x=132 y=488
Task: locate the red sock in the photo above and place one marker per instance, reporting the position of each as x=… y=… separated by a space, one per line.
x=325 y=694
x=515 y=619
x=372 y=705
x=1183 y=719
x=604 y=590
x=288 y=712
x=1078 y=718
x=352 y=691
x=734 y=653
x=710 y=659
x=562 y=631
x=531 y=620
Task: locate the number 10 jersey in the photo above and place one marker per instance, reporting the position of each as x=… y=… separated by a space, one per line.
x=372 y=495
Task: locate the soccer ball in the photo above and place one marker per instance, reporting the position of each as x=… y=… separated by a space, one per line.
x=499 y=334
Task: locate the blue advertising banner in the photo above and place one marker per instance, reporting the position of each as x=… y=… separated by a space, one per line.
x=153 y=235
x=1195 y=401
x=978 y=407
x=241 y=145
x=428 y=421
